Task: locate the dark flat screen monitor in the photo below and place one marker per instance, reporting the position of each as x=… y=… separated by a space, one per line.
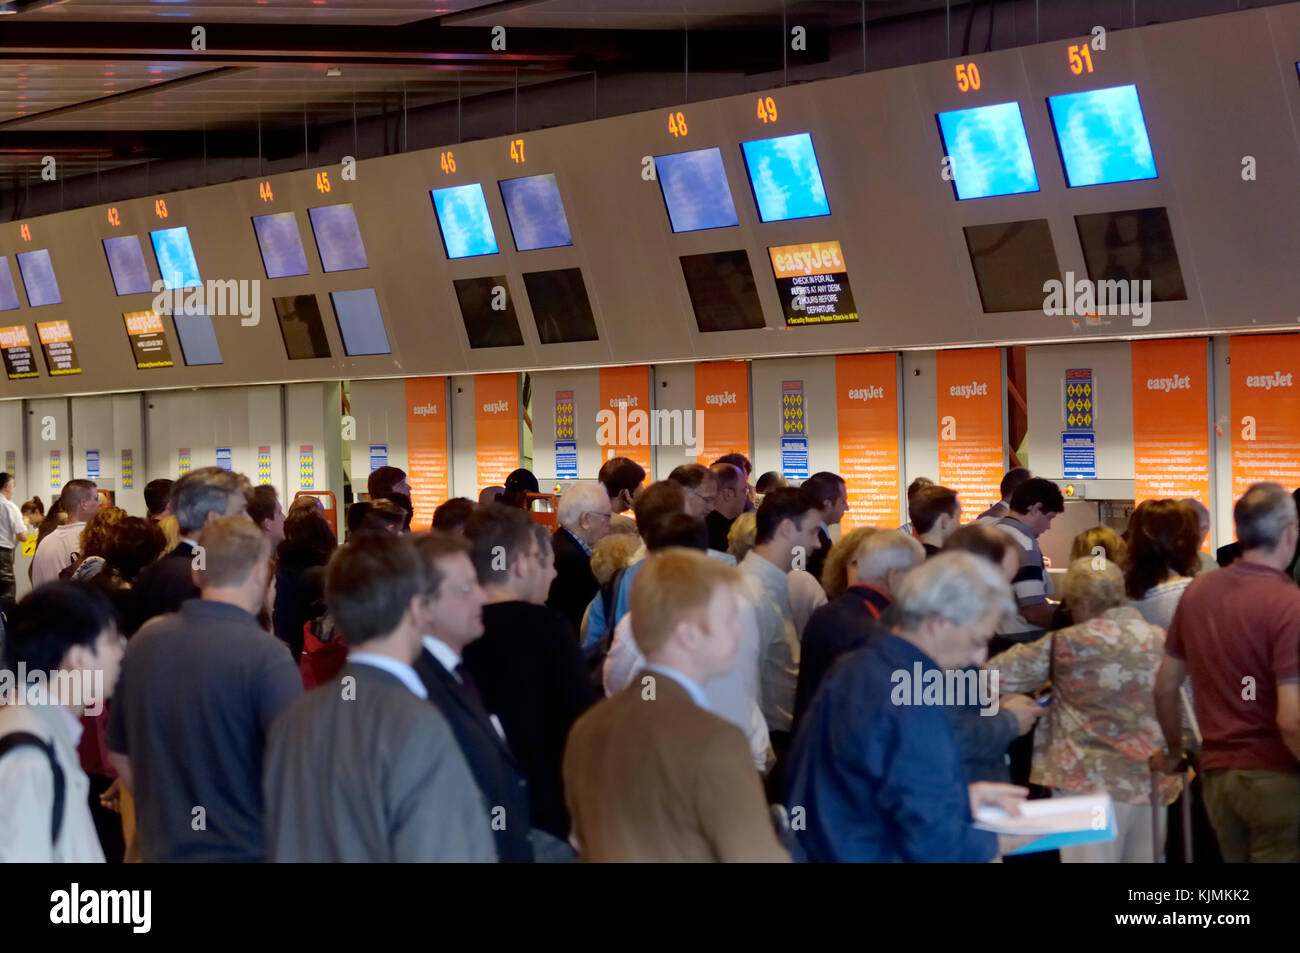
x=722 y=291
x=1012 y=261
x=301 y=327
x=560 y=306
x=488 y=312
x=1134 y=245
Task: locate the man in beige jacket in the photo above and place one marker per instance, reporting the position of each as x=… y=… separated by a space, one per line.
x=651 y=774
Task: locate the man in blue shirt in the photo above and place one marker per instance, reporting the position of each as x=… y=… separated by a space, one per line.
x=875 y=766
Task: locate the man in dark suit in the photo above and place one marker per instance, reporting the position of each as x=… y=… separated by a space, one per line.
x=831 y=494
x=848 y=622
x=729 y=503
x=584 y=516
x=203 y=495
x=455 y=620
x=527 y=663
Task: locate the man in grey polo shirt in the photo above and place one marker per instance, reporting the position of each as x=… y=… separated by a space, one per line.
x=198 y=691
x=786 y=529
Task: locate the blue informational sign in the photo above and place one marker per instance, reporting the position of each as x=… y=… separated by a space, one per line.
x=92 y=464
x=1079 y=454
x=225 y=458
x=378 y=456
x=566 y=460
x=794 y=458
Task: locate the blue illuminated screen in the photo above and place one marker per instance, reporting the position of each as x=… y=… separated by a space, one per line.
x=176 y=264
x=989 y=151
x=126 y=262
x=696 y=190
x=1102 y=136
x=463 y=219
x=281 y=244
x=38 y=277
x=338 y=238
x=785 y=177
x=536 y=212
x=360 y=323
x=8 y=293
x=198 y=338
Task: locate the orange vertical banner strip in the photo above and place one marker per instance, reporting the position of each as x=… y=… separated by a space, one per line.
x=426 y=446
x=866 y=408
x=1265 y=421
x=496 y=427
x=721 y=409
x=1171 y=435
x=971 y=454
x=630 y=387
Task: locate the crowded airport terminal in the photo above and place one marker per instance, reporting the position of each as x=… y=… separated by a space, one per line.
x=761 y=431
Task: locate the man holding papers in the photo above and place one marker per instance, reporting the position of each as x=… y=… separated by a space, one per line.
x=879 y=777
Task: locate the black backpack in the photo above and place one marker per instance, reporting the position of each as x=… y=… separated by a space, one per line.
x=25 y=739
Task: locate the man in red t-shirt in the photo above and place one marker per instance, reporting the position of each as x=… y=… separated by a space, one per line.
x=1237 y=634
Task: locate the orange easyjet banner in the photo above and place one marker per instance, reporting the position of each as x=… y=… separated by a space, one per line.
x=1171 y=436
x=623 y=390
x=866 y=407
x=1265 y=422
x=721 y=409
x=496 y=427
x=426 y=445
x=971 y=456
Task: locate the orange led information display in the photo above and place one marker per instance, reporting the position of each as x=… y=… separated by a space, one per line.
x=148 y=342
x=16 y=346
x=56 y=343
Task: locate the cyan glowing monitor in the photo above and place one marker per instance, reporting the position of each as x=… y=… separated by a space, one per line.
x=126 y=264
x=536 y=213
x=38 y=277
x=786 y=179
x=989 y=151
x=1102 y=136
x=464 y=221
x=176 y=264
x=696 y=190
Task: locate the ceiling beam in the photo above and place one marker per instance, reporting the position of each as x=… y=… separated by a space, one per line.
x=425 y=44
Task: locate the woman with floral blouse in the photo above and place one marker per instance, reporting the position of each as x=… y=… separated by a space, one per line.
x=1100 y=727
